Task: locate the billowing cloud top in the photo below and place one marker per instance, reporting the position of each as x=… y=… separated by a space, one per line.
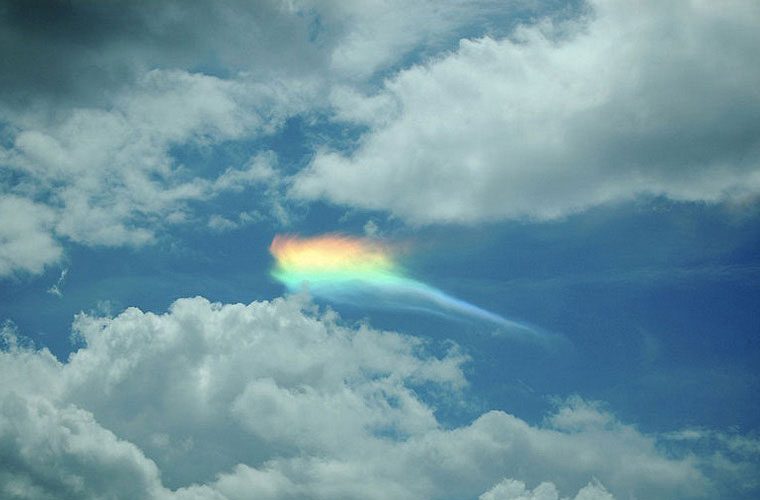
x=282 y=403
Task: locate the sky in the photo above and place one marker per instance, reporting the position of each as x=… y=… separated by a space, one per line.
x=380 y=249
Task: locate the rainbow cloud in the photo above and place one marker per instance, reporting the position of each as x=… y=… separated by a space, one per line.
x=363 y=271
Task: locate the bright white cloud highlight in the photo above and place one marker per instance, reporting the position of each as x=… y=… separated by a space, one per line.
x=509 y=489
x=26 y=243
x=282 y=402
x=651 y=97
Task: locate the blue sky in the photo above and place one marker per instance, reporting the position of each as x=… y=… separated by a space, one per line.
x=591 y=169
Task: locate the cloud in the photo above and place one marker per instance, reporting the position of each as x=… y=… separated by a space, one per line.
x=371 y=229
x=99 y=103
x=25 y=240
x=371 y=35
x=64 y=55
x=221 y=224
x=81 y=54
x=733 y=456
x=57 y=287
x=653 y=98
x=509 y=489
x=108 y=177
x=110 y=173
x=284 y=402
x=93 y=113
x=54 y=452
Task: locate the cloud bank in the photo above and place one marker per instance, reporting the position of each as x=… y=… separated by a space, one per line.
x=653 y=98
x=274 y=400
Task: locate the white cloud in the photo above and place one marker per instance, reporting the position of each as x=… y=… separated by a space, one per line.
x=631 y=98
x=92 y=118
x=220 y=223
x=509 y=489
x=98 y=147
x=57 y=287
x=286 y=403
x=26 y=243
x=108 y=177
x=237 y=373
x=111 y=173
x=95 y=138
x=370 y=35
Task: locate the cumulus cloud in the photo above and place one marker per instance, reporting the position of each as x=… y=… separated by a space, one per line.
x=53 y=452
x=656 y=98
x=282 y=401
x=96 y=101
x=110 y=174
x=26 y=243
x=108 y=177
x=509 y=489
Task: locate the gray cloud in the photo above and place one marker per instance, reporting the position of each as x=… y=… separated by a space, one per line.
x=51 y=452
x=80 y=53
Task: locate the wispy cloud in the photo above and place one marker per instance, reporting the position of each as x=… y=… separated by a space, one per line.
x=57 y=287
